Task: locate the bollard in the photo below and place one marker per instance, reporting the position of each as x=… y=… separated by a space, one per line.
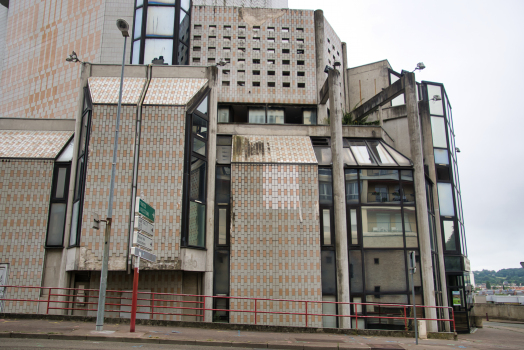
x=487 y=318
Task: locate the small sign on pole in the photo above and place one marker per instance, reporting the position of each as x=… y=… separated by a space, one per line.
x=143 y=240
x=144 y=209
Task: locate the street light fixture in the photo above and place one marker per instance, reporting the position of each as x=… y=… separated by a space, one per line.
x=73 y=58
x=123 y=26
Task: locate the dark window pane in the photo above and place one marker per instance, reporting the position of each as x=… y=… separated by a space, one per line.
x=327 y=267
x=442 y=173
x=449 y=235
x=382 y=227
x=257 y=115
x=222 y=226
x=380 y=186
x=199 y=146
x=410 y=227
x=275 y=116
x=352 y=226
x=197 y=224
x=221 y=272
x=452 y=263
x=74 y=224
x=55 y=234
x=199 y=126
x=355 y=271
x=202 y=108
x=198 y=180
x=61 y=183
x=223 y=115
x=352 y=186
x=310 y=117
x=223 y=185
x=408 y=190
x=79 y=174
x=182 y=54
x=326 y=227
x=183 y=31
x=389 y=274
x=325 y=186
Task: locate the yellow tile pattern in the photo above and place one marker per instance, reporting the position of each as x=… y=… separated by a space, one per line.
x=172 y=91
x=104 y=90
x=32 y=144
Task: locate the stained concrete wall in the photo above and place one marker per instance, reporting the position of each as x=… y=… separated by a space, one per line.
x=505 y=312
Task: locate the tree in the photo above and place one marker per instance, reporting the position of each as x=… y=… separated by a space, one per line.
x=488 y=285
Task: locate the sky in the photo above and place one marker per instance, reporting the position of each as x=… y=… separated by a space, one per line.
x=476 y=49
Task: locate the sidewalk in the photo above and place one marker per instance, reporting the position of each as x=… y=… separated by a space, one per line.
x=78 y=330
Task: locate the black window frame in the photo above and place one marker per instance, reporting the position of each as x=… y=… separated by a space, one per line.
x=55 y=200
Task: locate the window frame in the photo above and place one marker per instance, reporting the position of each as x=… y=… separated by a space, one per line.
x=55 y=200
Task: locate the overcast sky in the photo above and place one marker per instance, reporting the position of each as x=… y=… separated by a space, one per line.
x=476 y=49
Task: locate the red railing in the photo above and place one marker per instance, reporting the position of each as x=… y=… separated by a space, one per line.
x=155 y=304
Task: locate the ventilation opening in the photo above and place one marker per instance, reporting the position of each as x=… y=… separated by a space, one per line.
x=320 y=141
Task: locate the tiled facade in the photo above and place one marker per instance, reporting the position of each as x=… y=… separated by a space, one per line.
x=25 y=187
x=273 y=149
x=106 y=90
x=172 y=91
x=254 y=41
x=32 y=144
x=275 y=251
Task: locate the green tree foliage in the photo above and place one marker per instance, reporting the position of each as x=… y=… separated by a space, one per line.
x=515 y=275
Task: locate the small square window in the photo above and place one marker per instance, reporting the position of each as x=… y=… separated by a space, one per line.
x=271 y=84
x=241 y=61
x=300 y=30
x=256 y=50
x=301 y=74
x=228 y=60
x=270 y=72
x=211 y=49
x=301 y=41
x=301 y=85
x=226 y=49
x=196 y=59
x=271 y=51
x=270 y=29
x=210 y=60
x=198 y=26
x=256 y=38
x=227 y=27
x=256 y=72
x=197 y=37
x=285 y=40
x=256 y=28
x=285 y=50
x=256 y=83
x=197 y=49
x=241 y=38
x=300 y=52
x=225 y=71
x=241 y=83
x=377 y=289
x=270 y=61
x=256 y=61
x=241 y=72
x=212 y=37
x=271 y=40
x=285 y=62
x=329 y=41
x=300 y=63
x=225 y=83
x=285 y=29
x=227 y=38
x=286 y=85
x=286 y=73
x=376 y=261
x=338 y=54
x=241 y=27
x=241 y=49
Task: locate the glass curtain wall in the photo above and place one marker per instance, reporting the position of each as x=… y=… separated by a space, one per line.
x=161 y=30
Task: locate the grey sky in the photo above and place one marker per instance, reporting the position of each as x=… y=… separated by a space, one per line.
x=476 y=49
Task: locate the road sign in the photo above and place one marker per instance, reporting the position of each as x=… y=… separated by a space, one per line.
x=143 y=254
x=144 y=209
x=143 y=225
x=143 y=240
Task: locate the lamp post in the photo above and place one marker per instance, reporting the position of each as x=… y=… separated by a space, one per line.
x=124 y=28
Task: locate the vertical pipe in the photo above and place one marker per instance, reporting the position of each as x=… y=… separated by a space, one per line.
x=306 y=314
x=135 y=295
x=49 y=299
x=412 y=272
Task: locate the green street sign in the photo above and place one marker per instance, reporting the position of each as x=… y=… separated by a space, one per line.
x=144 y=209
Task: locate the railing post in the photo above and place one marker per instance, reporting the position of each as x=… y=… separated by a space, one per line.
x=405 y=319
x=306 y=314
x=453 y=315
x=356 y=318
x=153 y=306
x=255 y=312
x=48 y=300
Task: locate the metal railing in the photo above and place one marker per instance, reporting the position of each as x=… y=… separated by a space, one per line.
x=68 y=299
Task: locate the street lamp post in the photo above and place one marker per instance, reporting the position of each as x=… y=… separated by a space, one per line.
x=124 y=28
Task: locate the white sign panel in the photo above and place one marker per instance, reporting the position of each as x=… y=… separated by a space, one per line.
x=142 y=224
x=143 y=240
x=143 y=254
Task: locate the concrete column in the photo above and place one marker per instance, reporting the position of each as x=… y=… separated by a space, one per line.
x=339 y=198
x=212 y=76
x=429 y=158
x=345 y=75
x=417 y=155
x=320 y=46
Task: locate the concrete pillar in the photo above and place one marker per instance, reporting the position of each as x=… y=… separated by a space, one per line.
x=417 y=155
x=339 y=198
x=345 y=75
x=320 y=47
x=429 y=158
x=212 y=76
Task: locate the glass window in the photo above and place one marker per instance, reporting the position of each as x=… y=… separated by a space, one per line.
x=183 y=54
x=401 y=160
x=55 y=233
x=352 y=186
x=160 y=21
x=445 y=199
x=199 y=146
x=223 y=114
x=385 y=269
x=60 y=189
x=74 y=224
x=348 y=157
x=452 y=263
x=441 y=156
x=275 y=116
x=326 y=227
x=353 y=226
x=197 y=224
x=355 y=271
x=185 y=4
x=199 y=126
x=67 y=153
x=438 y=130
x=380 y=153
x=408 y=190
x=183 y=28
x=202 y=108
x=410 y=227
x=221 y=272
x=224 y=154
x=138 y=24
x=158 y=47
x=327 y=267
x=323 y=155
x=360 y=150
x=435 y=100
x=310 y=117
x=198 y=180
x=222 y=226
x=223 y=185
x=382 y=227
x=257 y=115
x=449 y=235
x=325 y=186
x=380 y=186
x=136 y=52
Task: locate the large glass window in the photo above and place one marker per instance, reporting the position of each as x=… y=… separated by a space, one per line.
x=435 y=100
x=382 y=227
x=445 y=199
x=161 y=30
x=58 y=202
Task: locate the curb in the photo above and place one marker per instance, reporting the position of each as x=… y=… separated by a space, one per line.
x=193 y=342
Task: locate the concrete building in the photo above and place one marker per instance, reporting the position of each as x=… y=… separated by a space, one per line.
x=260 y=190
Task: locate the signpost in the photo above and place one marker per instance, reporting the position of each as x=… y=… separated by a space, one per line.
x=143 y=238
